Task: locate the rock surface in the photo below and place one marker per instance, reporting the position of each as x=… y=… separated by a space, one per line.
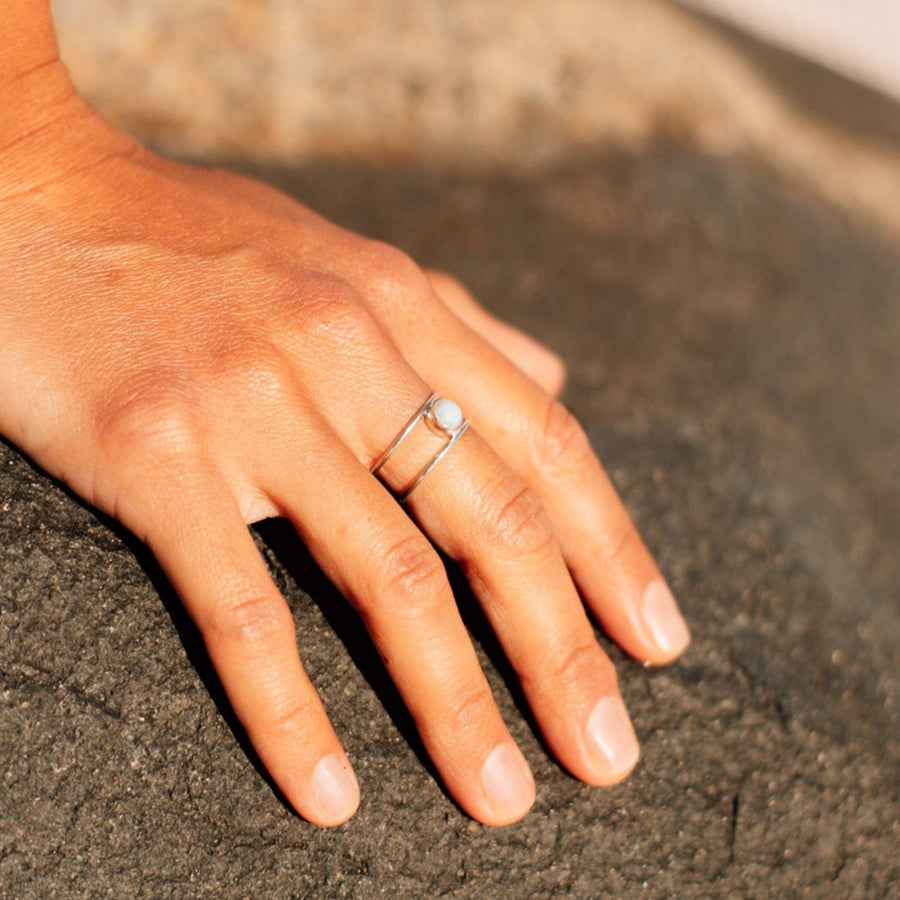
x=731 y=338
x=732 y=346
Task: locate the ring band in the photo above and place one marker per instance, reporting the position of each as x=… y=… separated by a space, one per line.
x=442 y=416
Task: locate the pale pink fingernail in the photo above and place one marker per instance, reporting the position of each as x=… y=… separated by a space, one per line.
x=663 y=620
x=611 y=737
x=335 y=788
x=507 y=781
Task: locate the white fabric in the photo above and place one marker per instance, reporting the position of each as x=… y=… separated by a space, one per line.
x=860 y=38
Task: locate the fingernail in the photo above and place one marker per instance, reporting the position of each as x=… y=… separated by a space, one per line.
x=661 y=616
x=507 y=781
x=611 y=736
x=335 y=787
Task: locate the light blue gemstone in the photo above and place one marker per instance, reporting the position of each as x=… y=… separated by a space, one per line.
x=447 y=414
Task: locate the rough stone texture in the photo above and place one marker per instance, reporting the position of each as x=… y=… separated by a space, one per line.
x=732 y=342
x=732 y=346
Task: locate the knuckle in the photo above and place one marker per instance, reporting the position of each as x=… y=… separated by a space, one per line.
x=411 y=576
x=623 y=541
x=562 y=445
x=517 y=523
x=332 y=314
x=393 y=273
x=255 y=370
x=295 y=720
x=576 y=666
x=469 y=712
x=154 y=419
x=254 y=623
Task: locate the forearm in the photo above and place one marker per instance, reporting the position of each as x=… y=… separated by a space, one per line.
x=27 y=38
x=33 y=82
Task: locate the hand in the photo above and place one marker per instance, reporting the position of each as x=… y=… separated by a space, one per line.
x=192 y=351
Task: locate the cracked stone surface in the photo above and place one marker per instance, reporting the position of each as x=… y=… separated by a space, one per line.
x=732 y=348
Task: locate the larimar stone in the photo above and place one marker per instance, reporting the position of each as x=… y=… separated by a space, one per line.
x=447 y=415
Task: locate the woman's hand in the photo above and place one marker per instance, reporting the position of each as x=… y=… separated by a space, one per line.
x=192 y=351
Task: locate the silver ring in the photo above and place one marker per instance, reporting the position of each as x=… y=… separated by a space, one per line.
x=444 y=417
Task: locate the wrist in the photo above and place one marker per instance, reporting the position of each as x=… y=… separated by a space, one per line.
x=27 y=38
x=33 y=99
x=45 y=122
x=47 y=129
x=35 y=87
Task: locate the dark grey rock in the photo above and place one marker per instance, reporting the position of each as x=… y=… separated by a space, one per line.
x=733 y=353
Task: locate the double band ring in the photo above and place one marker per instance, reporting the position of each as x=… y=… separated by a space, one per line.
x=445 y=418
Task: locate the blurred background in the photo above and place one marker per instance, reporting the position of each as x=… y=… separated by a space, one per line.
x=475 y=83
